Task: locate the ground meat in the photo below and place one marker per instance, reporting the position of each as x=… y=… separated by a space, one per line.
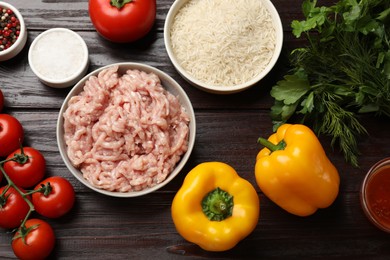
x=125 y=132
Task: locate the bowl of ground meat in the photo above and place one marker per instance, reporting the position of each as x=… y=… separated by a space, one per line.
x=126 y=129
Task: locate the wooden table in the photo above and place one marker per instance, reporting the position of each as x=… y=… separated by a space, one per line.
x=101 y=227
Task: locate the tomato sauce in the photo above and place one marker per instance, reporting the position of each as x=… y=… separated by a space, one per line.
x=378 y=196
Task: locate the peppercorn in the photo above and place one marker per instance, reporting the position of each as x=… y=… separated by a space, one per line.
x=9 y=28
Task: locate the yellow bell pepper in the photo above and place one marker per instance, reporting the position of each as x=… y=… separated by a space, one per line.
x=294 y=171
x=215 y=208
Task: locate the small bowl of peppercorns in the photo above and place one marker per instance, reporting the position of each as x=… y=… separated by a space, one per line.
x=13 y=32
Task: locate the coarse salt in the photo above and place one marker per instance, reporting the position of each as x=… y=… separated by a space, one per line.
x=58 y=55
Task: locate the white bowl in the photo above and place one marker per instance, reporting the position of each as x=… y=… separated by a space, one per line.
x=169 y=84
x=21 y=41
x=173 y=11
x=59 y=57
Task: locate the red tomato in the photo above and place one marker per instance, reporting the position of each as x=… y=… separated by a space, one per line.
x=11 y=134
x=58 y=202
x=129 y=23
x=1 y=100
x=13 y=208
x=39 y=242
x=28 y=174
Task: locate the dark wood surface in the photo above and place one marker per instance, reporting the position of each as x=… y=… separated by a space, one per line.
x=101 y=227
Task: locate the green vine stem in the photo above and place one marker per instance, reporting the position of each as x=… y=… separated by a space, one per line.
x=22 y=158
x=24 y=195
x=119 y=3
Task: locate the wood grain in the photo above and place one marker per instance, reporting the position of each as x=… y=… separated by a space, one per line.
x=101 y=227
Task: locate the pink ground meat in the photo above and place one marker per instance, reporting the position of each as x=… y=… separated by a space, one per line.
x=125 y=132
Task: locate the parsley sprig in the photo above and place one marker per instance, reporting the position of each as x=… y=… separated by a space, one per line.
x=343 y=71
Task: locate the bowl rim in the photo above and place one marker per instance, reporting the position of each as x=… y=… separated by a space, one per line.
x=23 y=30
x=176 y=6
x=363 y=195
x=77 y=74
x=184 y=99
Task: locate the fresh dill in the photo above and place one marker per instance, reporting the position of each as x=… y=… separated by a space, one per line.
x=343 y=71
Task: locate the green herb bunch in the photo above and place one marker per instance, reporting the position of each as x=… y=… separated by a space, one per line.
x=343 y=71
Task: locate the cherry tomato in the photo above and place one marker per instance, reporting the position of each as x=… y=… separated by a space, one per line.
x=13 y=208
x=126 y=24
x=28 y=174
x=1 y=100
x=58 y=201
x=39 y=242
x=11 y=134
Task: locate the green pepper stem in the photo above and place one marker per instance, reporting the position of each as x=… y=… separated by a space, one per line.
x=217 y=205
x=119 y=3
x=272 y=147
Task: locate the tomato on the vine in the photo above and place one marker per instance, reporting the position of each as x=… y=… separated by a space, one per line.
x=122 y=20
x=11 y=134
x=28 y=173
x=13 y=208
x=56 y=197
x=38 y=242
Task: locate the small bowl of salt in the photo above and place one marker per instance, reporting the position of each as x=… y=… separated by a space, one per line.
x=59 y=57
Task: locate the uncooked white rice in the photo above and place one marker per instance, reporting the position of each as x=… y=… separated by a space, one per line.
x=223 y=42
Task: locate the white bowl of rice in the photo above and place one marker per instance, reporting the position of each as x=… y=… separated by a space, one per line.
x=126 y=129
x=223 y=46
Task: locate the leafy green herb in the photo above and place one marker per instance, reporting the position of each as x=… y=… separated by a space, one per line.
x=343 y=71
